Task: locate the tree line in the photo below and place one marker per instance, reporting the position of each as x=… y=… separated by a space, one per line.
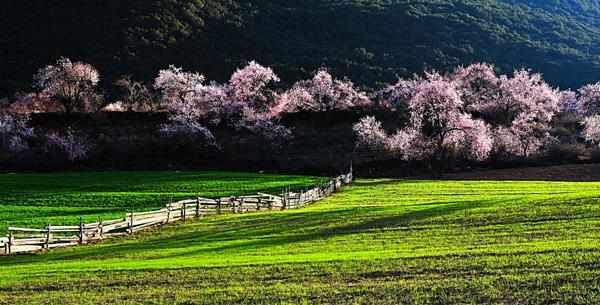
x=471 y=113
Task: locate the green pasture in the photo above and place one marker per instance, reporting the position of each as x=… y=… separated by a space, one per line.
x=377 y=241
x=32 y=200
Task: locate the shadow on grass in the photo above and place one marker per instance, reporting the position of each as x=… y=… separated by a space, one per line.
x=254 y=232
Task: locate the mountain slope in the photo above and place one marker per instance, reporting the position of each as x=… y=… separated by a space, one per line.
x=369 y=41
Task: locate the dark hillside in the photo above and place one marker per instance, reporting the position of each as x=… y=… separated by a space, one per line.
x=369 y=41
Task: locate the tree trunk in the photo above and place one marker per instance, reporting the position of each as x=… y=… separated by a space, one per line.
x=441 y=161
x=440 y=168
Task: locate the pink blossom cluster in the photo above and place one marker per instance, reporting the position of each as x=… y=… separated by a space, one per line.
x=67 y=144
x=469 y=112
x=438 y=126
x=588 y=108
x=71 y=84
x=176 y=85
x=591 y=131
x=322 y=93
x=371 y=135
x=249 y=87
x=14 y=133
x=396 y=97
x=520 y=108
x=188 y=130
x=588 y=102
x=245 y=103
x=33 y=102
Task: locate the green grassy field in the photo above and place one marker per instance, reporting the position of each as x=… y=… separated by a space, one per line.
x=36 y=199
x=376 y=242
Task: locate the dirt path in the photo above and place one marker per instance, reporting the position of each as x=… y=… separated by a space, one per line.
x=582 y=172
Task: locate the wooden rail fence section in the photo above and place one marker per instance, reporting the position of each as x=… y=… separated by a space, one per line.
x=51 y=236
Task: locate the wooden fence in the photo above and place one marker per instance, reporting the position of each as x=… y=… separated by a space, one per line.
x=51 y=236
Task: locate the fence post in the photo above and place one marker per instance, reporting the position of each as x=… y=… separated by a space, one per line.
x=183 y=212
x=47 y=241
x=130 y=230
x=232 y=202
x=197 y=207
x=80 y=231
x=10 y=242
x=101 y=228
x=169 y=212
x=258 y=204
x=284 y=197
x=219 y=206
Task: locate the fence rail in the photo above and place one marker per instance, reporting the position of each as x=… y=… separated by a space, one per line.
x=51 y=236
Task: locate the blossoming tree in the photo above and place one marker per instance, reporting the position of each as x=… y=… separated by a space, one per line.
x=14 y=133
x=245 y=103
x=71 y=84
x=519 y=108
x=322 y=93
x=588 y=108
x=438 y=129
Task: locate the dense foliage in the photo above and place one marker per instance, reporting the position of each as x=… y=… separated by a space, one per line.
x=368 y=41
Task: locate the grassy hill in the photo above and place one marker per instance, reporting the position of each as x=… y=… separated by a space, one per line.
x=380 y=241
x=369 y=41
x=33 y=200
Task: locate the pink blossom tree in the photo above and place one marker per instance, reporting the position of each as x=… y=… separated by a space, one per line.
x=371 y=136
x=71 y=84
x=33 y=102
x=177 y=86
x=527 y=109
x=67 y=144
x=14 y=133
x=591 y=131
x=249 y=87
x=588 y=102
x=588 y=109
x=396 y=97
x=322 y=93
x=251 y=104
x=519 y=108
x=190 y=103
x=244 y=103
x=568 y=101
x=438 y=129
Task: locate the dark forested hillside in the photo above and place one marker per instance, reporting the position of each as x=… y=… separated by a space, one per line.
x=369 y=41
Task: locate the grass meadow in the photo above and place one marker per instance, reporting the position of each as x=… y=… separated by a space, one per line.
x=380 y=241
x=33 y=200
